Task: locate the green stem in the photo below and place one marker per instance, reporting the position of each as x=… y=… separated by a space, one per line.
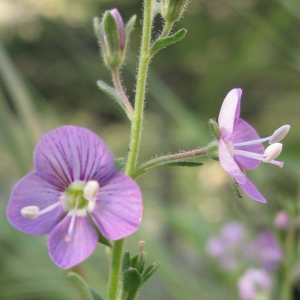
x=166 y=30
x=170 y=157
x=114 y=276
x=135 y=137
x=287 y=281
x=137 y=120
x=119 y=88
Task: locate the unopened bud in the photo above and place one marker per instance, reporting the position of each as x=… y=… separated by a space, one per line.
x=111 y=36
x=272 y=152
x=172 y=10
x=30 y=212
x=279 y=134
x=91 y=190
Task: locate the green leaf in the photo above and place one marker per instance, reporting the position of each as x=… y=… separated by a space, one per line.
x=120 y=163
x=150 y=271
x=88 y=292
x=126 y=262
x=131 y=283
x=139 y=265
x=167 y=41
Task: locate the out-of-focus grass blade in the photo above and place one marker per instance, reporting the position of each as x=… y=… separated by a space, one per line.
x=20 y=98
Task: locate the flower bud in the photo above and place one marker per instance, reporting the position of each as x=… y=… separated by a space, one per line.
x=282 y=220
x=112 y=39
x=172 y=10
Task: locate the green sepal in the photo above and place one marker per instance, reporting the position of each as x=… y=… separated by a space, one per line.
x=120 y=163
x=214 y=128
x=235 y=188
x=139 y=265
x=98 y=29
x=126 y=261
x=212 y=150
x=111 y=31
x=131 y=283
x=167 y=41
x=88 y=292
x=172 y=10
x=128 y=28
x=150 y=271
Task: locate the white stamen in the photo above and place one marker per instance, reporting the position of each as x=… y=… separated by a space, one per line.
x=249 y=154
x=91 y=190
x=68 y=237
x=33 y=212
x=49 y=208
x=272 y=152
x=254 y=142
x=30 y=212
x=279 y=134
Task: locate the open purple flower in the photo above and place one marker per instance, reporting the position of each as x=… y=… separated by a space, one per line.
x=240 y=147
x=74 y=190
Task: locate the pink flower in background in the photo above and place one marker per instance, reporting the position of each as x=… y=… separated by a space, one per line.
x=240 y=147
x=254 y=284
x=74 y=190
x=282 y=220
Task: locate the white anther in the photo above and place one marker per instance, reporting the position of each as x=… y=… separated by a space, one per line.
x=30 y=212
x=91 y=190
x=279 y=134
x=272 y=152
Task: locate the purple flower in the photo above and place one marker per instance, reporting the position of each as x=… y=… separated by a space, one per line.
x=282 y=220
x=254 y=284
x=240 y=147
x=120 y=25
x=73 y=191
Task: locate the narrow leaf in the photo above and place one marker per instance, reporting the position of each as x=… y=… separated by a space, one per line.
x=167 y=41
x=131 y=284
x=150 y=271
x=111 y=92
x=235 y=188
x=126 y=264
x=88 y=292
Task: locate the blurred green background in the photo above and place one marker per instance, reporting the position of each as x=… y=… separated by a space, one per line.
x=49 y=65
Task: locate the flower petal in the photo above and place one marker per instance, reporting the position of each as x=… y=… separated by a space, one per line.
x=230 y=110
x=33 y=190
x=83 y=242
x=228 y=163
x=249 y=188
x=118 y=209
x=243 y=132
x=71 y=153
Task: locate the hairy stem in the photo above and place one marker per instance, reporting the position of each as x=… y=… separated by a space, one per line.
x=170 y=157
x=137 y=120
x=119 y=88
x=167 y=29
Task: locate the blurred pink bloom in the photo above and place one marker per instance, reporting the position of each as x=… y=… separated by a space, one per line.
x=282 y=220
x=254 y=283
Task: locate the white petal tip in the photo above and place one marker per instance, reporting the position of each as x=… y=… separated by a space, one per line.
x=30 y=212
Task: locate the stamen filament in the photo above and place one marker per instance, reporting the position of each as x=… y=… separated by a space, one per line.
x=257 y=156
x=49 y=208
x=254 y=142
x=68 y=237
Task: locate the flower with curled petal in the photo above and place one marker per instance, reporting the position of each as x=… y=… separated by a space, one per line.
x=73 y=192
x=240 y=147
